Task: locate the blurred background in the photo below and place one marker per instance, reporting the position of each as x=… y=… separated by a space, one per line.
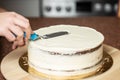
x=61 y=8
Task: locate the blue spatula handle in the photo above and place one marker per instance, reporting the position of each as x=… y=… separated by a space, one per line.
x=33 y=36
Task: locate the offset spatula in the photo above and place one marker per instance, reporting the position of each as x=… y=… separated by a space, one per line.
x=35 y=36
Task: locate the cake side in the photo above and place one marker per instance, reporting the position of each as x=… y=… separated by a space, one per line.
x=40 y=60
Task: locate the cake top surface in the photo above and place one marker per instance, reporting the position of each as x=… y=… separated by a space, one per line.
x=80 y=38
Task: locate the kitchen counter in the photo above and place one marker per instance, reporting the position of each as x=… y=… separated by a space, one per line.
x=108 y=26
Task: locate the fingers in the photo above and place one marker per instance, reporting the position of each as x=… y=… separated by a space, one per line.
x=24 y=24
x=18 y=43
x=19 y=30
x=20 y=20
x=13 y=23
x=19 y=36
x=28 y=32
x=16 y=30
x=15 y=45
x=9 y=36
x=20 y=17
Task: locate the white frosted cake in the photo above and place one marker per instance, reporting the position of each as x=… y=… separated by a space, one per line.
x=75 y=55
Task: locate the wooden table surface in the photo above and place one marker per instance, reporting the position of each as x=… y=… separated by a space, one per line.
x=108 y=26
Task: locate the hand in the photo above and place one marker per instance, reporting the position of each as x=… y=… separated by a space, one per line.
x=12 y=24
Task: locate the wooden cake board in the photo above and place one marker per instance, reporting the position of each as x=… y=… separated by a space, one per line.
x=11 y=69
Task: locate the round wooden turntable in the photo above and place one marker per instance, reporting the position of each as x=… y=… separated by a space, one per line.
x=14 y=66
